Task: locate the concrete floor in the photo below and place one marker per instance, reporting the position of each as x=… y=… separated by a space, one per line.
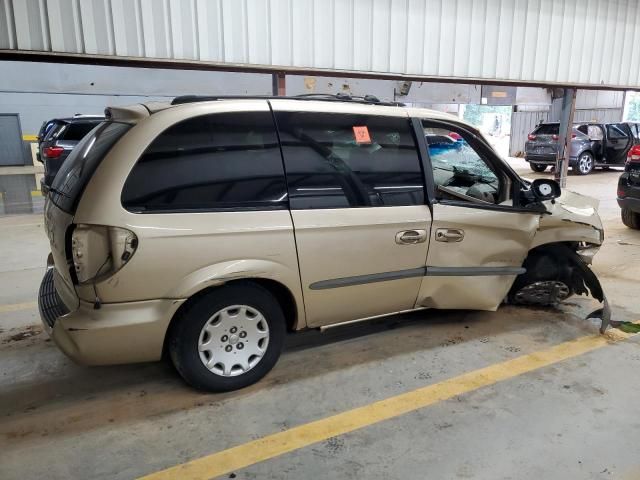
x=574 y=419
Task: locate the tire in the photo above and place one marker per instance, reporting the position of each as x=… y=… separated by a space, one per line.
x=584 y=164
x=630 y=219
x=547 y=281
x=247 y=307
x=537 y=167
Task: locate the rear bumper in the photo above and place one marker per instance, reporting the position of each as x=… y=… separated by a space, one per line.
x=540 y=159
x=630 y=203
x=116 y=333
x=628 y=193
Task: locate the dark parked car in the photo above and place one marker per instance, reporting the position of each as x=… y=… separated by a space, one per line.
x=592 y=145
x=58 y=137
x=629 y=189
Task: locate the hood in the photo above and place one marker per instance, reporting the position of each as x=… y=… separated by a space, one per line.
x=575 y=207
x=572 y=218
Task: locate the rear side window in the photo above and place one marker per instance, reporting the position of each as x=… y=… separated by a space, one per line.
x=212 y=162
x=547 y=129
x=77 y=169
x=343 y=160
x=76 y=131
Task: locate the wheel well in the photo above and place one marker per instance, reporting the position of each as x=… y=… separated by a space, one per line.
x=565 y=263
x=282 y=294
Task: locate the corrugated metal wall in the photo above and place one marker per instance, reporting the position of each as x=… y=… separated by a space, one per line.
x=522 y=123
x=578 y=42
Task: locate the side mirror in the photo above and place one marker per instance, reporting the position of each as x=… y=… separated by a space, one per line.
x=545 y=189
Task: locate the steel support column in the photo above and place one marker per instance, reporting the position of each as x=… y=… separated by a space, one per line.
x=564 y=140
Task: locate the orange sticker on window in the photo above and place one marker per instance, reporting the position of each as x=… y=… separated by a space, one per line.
x=361 y=134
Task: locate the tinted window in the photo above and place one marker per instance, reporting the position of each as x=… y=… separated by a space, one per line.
x=76 y=131
x=341 y=160
x=219 y=161
x=459 y=172
x=77 y=169
x=547 y=129
x=614 y=132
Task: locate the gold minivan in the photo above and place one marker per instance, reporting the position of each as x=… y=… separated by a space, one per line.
x=208 y=228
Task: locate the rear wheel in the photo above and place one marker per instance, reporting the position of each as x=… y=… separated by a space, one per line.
x=537 y=167
x=229 y=338
x=584 y=164
x=630 y=219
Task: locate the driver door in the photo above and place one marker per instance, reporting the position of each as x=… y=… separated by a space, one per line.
x=479 y=238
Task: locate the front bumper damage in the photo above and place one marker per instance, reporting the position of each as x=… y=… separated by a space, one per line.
x=585 y=282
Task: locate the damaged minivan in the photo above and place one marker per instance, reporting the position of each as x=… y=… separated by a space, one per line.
x=206 y=229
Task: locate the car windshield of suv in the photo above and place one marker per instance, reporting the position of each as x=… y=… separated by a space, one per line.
x=77 y=169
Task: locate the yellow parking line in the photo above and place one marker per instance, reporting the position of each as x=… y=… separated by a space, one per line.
x=17 y=306
x=29 y=138
x=271 y=446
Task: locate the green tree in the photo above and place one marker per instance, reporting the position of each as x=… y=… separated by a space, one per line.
x=473 y=113
x=633 y=111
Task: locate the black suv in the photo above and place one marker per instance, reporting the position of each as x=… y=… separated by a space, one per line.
x=629 y=189
x=56 y=140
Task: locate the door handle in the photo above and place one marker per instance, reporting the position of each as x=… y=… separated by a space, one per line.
x=449 y=235
x=411 y=237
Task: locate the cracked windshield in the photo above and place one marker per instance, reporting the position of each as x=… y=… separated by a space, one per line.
x=459 y=172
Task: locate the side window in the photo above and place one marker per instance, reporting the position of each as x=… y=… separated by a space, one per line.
x=595 y=133
x=218 y=161
x=343 y=160
x=615 y=133
x=583 y=129
x=459 y=171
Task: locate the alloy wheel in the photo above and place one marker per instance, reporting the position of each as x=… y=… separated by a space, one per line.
x=585 y=163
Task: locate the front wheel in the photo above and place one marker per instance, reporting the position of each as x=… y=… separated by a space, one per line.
x=537 y=167
x=584 y=164
x=547 y=281
x=229 y=338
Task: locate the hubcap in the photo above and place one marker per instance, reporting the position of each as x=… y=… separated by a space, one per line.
x=233 y=340
x=585 y=163
x=543 y=293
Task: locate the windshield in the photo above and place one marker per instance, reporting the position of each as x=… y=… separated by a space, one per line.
x=77 y=169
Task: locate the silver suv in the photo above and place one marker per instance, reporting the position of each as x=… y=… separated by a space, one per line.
x=207 y=229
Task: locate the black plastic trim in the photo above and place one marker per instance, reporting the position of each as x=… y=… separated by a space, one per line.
x=416 y=272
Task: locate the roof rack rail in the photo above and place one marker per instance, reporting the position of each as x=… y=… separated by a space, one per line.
x=340 y=97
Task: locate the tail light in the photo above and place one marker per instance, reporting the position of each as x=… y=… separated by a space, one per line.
x=98 y=251
x=621 y=193
x=531 y=137
x=634 y=154
x=53 y=152
x=573 y=135
x=555 y=137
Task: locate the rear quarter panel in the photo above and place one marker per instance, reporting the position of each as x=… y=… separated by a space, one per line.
x=181 y=253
